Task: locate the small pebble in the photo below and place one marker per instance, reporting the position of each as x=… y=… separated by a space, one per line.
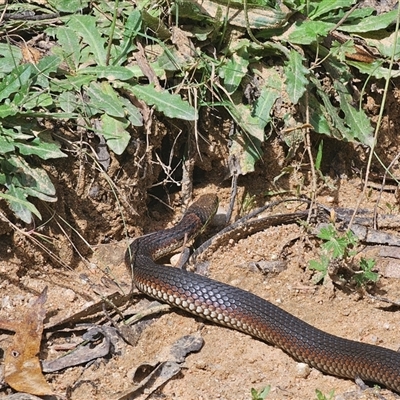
x=302 y=370
x=69 y=295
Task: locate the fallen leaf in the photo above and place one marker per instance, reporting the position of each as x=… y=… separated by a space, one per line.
x=22 y=369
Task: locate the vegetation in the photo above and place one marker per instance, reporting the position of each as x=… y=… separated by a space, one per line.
x=321 y=396
x=260 y=394
x=340 y=248
x=108 y=62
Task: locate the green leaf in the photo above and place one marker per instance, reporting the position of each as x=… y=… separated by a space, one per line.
x=134 y=115
x=327 y=232
x=12 y=83
x=71 y=82
x=318 y=266
x=325 y=119
x=337 y=246
x=44 y=150
x=10 y=57
x=132 y=27
x=319 y=115
x=296 y=81
x=67 y=101
x=372 y=23
x=359 y=124
x=374 y=69
x=170 y=104
x=268 y=95
x=7 y=110
x=234 y=70
x=386 y=45
x=246 y=145
x=6 y=144
x=23 y=209
x=318 y=158
x=45 y=67
x=69 y=6
x=85 y=26
x=69 y=42
x=307 y=32
x=104 y=97
x=39 y=100
x=111 y=73
x=325 y=6
x=114 y=131
x=341 y=50
x=34 y=178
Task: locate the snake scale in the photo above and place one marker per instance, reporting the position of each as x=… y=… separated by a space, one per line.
x=241 y=310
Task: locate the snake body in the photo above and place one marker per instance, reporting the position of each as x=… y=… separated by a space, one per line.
x=241 y=310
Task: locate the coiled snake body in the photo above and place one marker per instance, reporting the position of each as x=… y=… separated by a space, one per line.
x=246 y=312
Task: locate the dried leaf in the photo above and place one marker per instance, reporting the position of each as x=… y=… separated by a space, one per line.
x=22 y=369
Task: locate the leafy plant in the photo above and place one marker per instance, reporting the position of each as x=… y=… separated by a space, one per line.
x=321 y=396
x=111 y=64
x=340 y=246
x=83 y=77
x=366 y=275
x=260 y=394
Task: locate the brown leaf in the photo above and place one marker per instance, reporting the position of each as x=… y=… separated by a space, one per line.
x=30 y=54
x=22 y=369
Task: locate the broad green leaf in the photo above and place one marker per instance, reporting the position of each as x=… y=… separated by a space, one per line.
x=45 y=67
x=296 y=81
x=246 y=145
x=132 y=27
x=67 y=101
x=6 y=144
x=33 y=192
x=171 y=105
x=307 y=32
x=234 y=70
x=44 y=150
x=104 y=97
x=372 y=23
x=69 y=6
x=16 y=132
x=10 y=57
x=7 y=110
x=71 y=82
x=318 y=117
x=325 y=6
x=12 y=82
x=268 y=95
x=357 y=121
x=133 y=114
x=326 y=114
x=23 y=209
x=111 y=73
x=69 y=42
x=374 y=69
x=386 y=45
x=85 y=26
x=114 y=131
x=38 y=100
x=342 y=50
x=34 y=178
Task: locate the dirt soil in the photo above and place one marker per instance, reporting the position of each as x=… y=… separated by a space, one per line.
x=230 y=363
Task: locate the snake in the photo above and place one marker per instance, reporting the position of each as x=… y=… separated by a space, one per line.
x=244 y=311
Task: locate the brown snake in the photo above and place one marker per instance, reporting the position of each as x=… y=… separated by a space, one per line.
x=241 y=310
